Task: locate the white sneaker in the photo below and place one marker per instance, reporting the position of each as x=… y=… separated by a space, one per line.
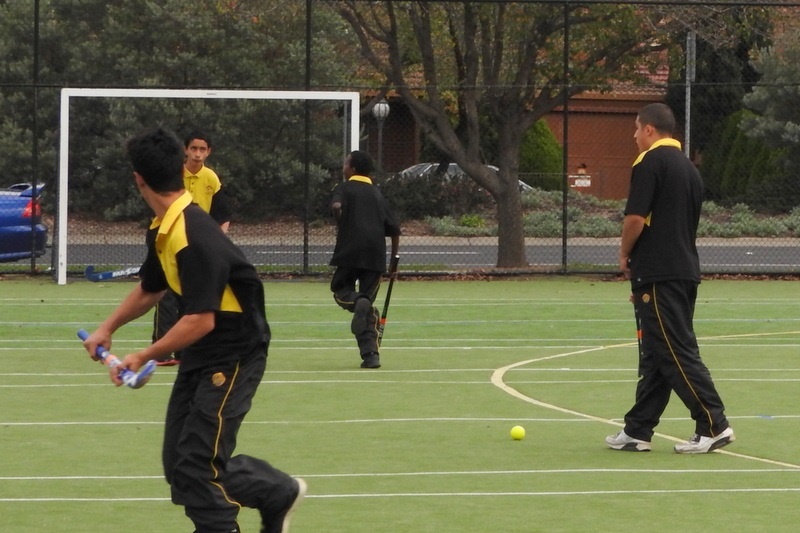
x=700 y=444
x=623 y=441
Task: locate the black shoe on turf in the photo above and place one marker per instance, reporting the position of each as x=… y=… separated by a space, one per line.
x=361 y=309
x=279 y=523
x=371 y=360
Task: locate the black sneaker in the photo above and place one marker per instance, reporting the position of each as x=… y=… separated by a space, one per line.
x=360 y=311
x=371 y=360
x=279 y=523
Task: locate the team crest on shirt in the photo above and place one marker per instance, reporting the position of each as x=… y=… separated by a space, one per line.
x=646 y=298
x=218 y=379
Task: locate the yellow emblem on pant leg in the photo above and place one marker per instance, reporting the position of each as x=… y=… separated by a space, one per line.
x=218 y=379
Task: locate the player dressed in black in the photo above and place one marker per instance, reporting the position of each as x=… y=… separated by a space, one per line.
x=658 y=254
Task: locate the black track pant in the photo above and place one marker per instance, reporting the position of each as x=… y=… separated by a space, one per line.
x=167 y=312
x=205 y=412
x=343 y=286
x=670 y=361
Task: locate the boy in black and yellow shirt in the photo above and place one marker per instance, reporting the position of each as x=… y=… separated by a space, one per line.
x=363 y=221
x=223 y=336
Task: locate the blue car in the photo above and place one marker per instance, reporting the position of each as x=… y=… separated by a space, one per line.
x=22 y=233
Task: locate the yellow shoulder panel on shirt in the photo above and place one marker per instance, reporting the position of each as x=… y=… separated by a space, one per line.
x=171 y=239
x=229 y=301
x=661 y=142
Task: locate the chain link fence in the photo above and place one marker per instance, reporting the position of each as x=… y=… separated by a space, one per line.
x=280 y=161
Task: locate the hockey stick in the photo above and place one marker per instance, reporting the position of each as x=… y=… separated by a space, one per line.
x=130 y=378
x=91 y=275
x=392 y=275
x=638 y=329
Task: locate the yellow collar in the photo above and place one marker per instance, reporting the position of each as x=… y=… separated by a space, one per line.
x=172 y=213
x=364 y=179
x=661 y=142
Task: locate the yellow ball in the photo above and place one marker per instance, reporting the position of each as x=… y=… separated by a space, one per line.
x=518 y=433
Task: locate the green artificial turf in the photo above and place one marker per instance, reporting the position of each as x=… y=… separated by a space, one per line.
x=422 y=444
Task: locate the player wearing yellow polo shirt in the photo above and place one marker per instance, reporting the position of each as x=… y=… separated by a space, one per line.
x=206 y=189
x=202 y=182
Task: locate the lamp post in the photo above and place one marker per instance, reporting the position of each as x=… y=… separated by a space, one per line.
x=380 y=111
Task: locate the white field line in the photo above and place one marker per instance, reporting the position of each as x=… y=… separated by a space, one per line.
x=499 y=375
x=393 y=382
x=554 y=493
x=413 y=302
x=749 y=490
x=570 y=370
x=337 y=346
x=368 y=475
x=703 y=472
x=585 y=418
x=371 y=421
x=421 y=323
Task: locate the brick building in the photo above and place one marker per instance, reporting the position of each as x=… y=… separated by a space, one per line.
x=600 y=142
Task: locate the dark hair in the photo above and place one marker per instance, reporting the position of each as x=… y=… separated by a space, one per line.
x=157 y=155
x=659 y=116
x=361 y=162
x=196 y=134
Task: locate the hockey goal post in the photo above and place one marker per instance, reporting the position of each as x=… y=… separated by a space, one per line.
x=68 y=94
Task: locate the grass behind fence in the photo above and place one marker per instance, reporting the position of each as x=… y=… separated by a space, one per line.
x=422 y=444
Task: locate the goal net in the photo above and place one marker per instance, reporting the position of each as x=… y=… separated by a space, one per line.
x=277 y=153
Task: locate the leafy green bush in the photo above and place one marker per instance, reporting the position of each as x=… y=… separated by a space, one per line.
x=472 y=221
x=711 y=208
x=737 y=166
x=540 y=199
x=542 y=224
x=541 y=154
x=431 y=195
x=450 y=227
x=792 y=222
x=594 y=226
x=596 y=218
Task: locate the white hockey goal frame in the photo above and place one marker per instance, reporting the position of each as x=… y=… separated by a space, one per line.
x=70 y=93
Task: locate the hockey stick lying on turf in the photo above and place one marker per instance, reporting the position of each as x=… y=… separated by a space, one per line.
x=134 y=380
x=392 y=275
x=91 y=275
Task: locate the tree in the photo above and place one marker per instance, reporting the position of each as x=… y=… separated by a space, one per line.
x=725 y=37
x=775 y=102
x=232 y=44
x=498 y=64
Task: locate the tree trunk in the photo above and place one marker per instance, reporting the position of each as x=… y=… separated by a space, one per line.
x=510 y=234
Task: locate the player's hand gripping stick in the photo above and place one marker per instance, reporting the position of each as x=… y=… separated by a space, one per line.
x=134 y=380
